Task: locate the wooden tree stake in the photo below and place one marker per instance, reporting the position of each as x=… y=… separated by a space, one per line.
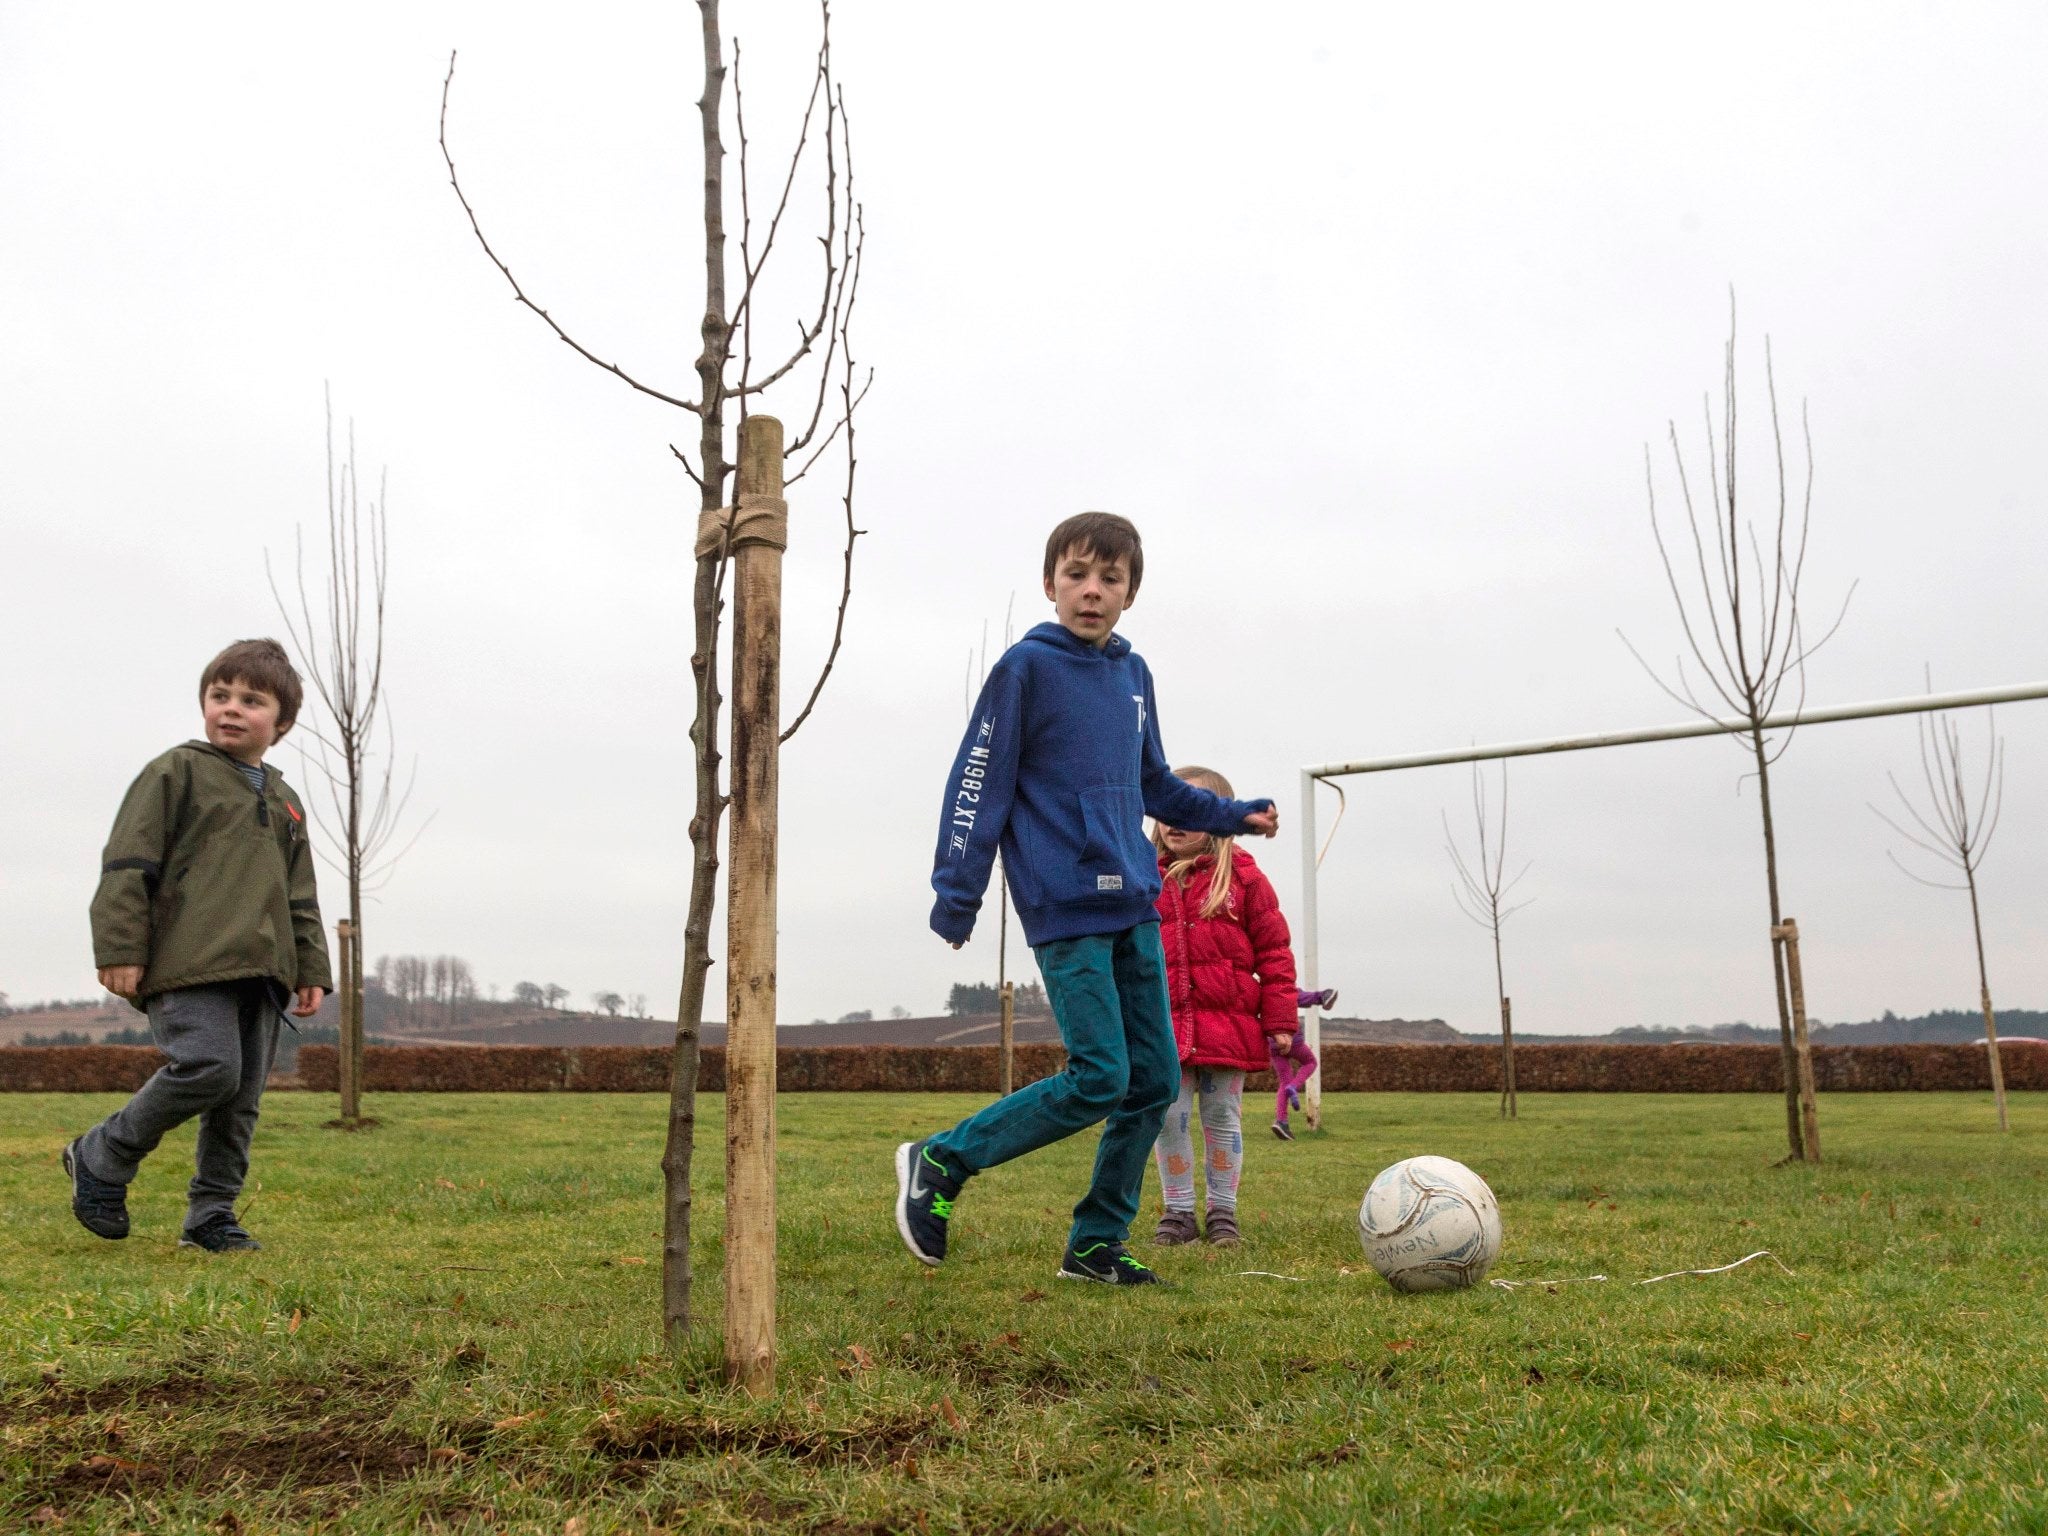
x=349 y=1048
x=1008 y=1079
x=1787 y=933
x=758 y=522
x=1507 y=1058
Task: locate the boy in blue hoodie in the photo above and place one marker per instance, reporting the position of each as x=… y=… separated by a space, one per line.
x=1059 y=769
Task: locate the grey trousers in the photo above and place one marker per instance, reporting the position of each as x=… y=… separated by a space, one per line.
x=220 y=1040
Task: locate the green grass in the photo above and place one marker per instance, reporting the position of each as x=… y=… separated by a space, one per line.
x=454 y=1323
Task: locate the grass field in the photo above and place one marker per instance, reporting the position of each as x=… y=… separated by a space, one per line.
x=453 y=1326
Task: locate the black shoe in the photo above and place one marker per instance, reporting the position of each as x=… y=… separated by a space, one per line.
x=219 y=1234
x=1109 y=1263
x=101 y=1208
x=925 y=1192
x=1280 y=1130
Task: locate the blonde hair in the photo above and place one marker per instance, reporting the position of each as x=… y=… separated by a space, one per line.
x=1214 y=847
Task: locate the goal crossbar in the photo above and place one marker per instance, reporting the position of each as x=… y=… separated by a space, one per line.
x=1920 y=704
x=1311 y=776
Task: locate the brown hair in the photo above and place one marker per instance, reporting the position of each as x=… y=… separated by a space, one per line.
x=1101 y=534
x=260 y=664
x=1215 y=847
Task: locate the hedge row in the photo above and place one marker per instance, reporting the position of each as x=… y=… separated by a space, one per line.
x=1674 y=1068
x=76 y=1068
x=645 y=1068
x=1347 y=1067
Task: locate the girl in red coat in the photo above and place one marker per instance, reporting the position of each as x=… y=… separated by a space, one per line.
x=1230 y=978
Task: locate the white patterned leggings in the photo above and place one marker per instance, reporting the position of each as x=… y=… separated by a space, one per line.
x=1222 y=1112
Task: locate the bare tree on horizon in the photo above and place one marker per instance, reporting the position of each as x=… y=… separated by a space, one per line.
x=341 y=652
x=1748 y=642
x=723 y=398
x=1481 y=894
x=1957 y=830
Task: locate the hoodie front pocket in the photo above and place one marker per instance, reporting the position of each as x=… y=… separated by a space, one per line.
x=1113 y=847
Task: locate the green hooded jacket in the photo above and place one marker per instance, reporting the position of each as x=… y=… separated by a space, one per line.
x=206 y=880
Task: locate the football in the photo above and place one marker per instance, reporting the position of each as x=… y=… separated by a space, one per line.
x=1429 y=1224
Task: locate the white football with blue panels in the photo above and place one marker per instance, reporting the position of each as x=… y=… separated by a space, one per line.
x=1430 y=1224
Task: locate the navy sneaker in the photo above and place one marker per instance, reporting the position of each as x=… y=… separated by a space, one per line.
x=1280 y=1130
x=925 y=1192
x=101 y=1208
x=1109 y=1263
x=219 y=1233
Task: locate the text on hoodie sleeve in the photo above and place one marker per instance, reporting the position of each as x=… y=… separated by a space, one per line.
x=979 y=792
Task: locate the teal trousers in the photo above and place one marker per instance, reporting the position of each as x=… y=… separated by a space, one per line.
x=1108 y=995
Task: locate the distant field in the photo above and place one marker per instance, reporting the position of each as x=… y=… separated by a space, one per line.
x=453 y=1327
x=92 y=1022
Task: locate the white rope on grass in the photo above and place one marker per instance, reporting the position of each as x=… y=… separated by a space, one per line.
x=1722 y=1269
x=1267 y=1274
x=1719 y=1269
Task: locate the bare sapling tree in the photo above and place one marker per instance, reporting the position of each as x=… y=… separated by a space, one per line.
x=1747 y=634
x=1006 y=1039
x=1956 y=829
x=738 y=362
x=1482 y=894
x=340 y=645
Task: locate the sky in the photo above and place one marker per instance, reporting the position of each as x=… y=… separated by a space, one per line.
x=1366 y=315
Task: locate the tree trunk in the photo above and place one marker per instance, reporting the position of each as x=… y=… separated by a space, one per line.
x=1797 y=1057
x=1007 y=1036
x=1984 y=997
x=349 y=1016
x=682 y=1118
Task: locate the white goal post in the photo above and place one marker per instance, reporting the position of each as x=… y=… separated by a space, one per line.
x=1310 y=777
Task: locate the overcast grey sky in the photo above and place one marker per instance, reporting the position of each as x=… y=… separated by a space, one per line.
x=1363 y=313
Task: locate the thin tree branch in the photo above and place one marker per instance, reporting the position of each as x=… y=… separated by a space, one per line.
x=519 y=293
x=1939 y=885
x=688 y=468
x=852 y=534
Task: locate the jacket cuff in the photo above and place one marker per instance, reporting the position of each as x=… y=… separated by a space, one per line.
x=1246 y=808
x=950 y=923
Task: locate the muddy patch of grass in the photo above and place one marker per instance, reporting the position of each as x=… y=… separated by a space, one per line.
x=882 y=1442
x=135 y=1436
x=187 y=1387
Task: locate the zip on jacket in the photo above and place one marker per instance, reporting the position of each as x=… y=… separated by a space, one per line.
x=207 y=879
x=1059 y=768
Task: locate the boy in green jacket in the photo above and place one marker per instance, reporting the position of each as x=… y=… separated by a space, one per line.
x=206 y=916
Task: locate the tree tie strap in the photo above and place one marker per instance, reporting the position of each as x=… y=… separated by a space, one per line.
x=757 y=519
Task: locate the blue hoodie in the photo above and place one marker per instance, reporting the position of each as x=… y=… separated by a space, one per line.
x=1060 y=767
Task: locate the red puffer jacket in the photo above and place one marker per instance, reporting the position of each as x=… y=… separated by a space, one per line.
x=1230 y=976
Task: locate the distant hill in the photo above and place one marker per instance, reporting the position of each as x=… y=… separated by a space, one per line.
x=87 y=1019
x=498 y=1023
x=1948 y=1027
